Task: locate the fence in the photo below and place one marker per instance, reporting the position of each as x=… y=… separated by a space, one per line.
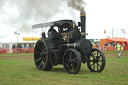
x=31 y=50
x=15 y=50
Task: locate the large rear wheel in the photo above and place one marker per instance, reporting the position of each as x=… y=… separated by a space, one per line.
x=41 y=55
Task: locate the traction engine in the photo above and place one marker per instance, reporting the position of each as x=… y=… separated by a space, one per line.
x=66 y=44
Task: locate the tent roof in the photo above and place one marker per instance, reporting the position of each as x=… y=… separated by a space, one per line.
x=117 y=39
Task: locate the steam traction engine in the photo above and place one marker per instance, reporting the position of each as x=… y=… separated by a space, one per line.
x=67 y=46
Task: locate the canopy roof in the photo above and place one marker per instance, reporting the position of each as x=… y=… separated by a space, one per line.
x=54 y=23
x=116 y=40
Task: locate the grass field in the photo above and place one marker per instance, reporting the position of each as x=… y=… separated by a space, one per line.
x=19 y=69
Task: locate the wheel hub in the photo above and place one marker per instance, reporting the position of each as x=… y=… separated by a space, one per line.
x=95 y=60
x=41 y=54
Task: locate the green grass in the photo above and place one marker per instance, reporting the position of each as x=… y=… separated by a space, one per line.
x=11 y=54
x=19 y=69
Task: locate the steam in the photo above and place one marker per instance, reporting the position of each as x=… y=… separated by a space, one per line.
x=77 y=4
x=20 y=15
x=14 y=13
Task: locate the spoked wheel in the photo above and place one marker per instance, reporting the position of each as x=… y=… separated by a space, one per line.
x=72 y=61
x=41 y=55
x=96 y=61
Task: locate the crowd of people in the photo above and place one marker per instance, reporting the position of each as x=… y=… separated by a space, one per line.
x=113 y=47
x=22 y=49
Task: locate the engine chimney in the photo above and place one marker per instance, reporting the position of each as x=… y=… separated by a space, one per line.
x=83 y=23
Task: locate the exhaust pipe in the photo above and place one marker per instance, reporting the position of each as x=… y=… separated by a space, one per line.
x=83 y=23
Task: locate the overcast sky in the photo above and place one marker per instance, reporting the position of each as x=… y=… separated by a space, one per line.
x=107 y=14
x=101 y=14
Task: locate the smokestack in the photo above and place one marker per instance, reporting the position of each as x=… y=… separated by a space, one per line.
x=83 y=23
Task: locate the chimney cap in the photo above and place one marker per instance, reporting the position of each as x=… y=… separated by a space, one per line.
x=83 y=14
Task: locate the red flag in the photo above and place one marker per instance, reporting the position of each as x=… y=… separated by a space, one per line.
x=104 y=31
x=123 y=30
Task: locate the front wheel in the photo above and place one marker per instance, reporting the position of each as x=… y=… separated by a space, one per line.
x=72 y=61
x=96 y=61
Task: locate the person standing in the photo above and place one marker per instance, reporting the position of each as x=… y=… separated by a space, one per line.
x=123 y=46
x=14 y=47
x=109 y=47
x=22 y=48
x=119 y=50
x=113 y=46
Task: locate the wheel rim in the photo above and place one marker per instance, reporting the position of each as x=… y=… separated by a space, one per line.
x=72 y=61
x=96 y=62
x=40 y=54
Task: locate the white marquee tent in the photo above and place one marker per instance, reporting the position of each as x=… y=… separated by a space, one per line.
x=8 y=41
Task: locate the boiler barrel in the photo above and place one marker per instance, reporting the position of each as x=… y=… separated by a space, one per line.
x=83 y=46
